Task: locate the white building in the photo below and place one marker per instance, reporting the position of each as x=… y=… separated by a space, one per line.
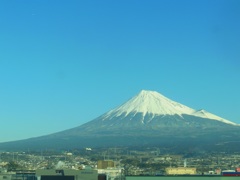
x=112 y=173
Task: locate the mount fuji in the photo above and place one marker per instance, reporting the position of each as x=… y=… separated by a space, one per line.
x=147 y=119
x=150 y=110
x=150 y=106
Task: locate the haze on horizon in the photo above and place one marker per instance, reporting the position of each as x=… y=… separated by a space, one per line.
x=65 y=63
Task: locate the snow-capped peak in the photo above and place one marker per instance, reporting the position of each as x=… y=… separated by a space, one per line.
x=154 y=103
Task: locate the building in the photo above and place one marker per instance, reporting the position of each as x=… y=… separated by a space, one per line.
x=6 y=175
x=105 y=164
x=112 y=173
x=181 y=171
x=66 y=174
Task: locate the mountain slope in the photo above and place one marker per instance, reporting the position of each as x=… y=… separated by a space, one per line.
x=149 y=118
x=154 y=104
x=150 y=114
x=150 y=110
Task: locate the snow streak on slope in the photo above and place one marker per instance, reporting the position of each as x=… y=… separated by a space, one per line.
x=151 y=102
x=204 y=114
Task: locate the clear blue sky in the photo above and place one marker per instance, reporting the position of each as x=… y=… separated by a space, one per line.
x=64 y=63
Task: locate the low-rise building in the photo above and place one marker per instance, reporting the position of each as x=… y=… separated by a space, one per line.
x=102 y=164
x=66 y=174
x=4 y=175
x=112 y=173
x=180 y=171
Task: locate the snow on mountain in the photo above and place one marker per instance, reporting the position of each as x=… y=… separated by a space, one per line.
x=152 y=102
x=204 y=114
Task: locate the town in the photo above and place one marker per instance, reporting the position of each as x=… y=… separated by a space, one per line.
x=117 y=163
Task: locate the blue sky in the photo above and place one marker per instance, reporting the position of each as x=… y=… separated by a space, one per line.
x=64 y=63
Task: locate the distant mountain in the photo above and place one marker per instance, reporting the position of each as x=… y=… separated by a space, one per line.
x=148 y=119
x=154 y=104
